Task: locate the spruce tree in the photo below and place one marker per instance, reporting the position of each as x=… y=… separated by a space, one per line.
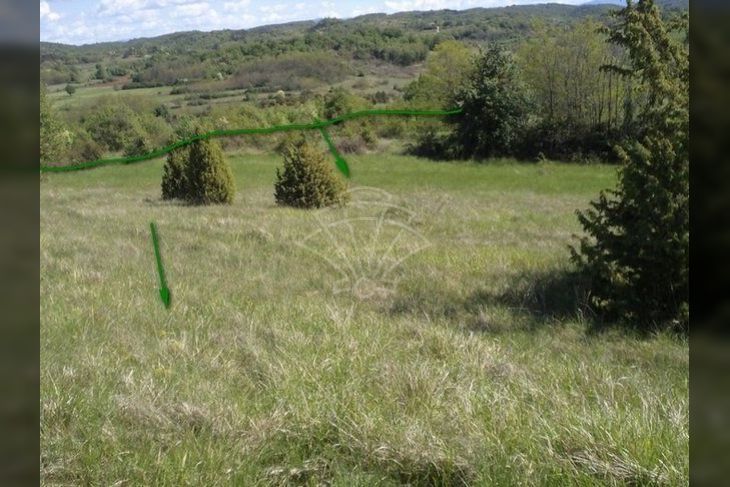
x=494 y=108
x=637 y=248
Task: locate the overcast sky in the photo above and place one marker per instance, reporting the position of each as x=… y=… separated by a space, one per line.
x=87 y=21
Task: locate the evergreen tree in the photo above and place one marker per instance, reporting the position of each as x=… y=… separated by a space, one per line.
x=494 y=108
x=308 y=179
x=209 y=177
x=637 y=248
x=174 y=174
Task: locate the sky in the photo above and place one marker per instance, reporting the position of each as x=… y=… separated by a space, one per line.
x=89 y=21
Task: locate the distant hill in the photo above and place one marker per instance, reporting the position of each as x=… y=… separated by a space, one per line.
x=475 y=23
x=400 y=39
x=666 y=4
x=606 y=2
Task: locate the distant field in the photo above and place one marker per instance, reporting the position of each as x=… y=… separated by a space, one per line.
x=463 y=365
x=88 y=93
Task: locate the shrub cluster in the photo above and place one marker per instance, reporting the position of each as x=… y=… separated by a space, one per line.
x=198 y=174
x=116 y=126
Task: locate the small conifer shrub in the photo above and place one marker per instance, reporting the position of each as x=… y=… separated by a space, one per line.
x=308 y=179
x=209 y=177
x=174 y=176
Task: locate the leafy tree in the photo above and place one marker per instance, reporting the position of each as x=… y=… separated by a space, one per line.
x=494 y=107
x=74 y=74
x=579 y=105
x=308 y=179
x=156 y=130
x=637 y=248
x=70 y=89
x=162 y=111
x=100 y=72
x=209 y=177
x=116 y=71
x=447 y=69
x=113 y=126
x=138 y=146
x=338 y=101
x=356 y=134
x=54 y=137
x=84 y=148
x=562 y=67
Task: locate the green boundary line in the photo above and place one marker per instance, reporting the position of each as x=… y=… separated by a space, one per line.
x=263 y=130
x=340 y=161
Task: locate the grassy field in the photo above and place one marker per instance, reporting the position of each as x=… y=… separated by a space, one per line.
x=418 y=336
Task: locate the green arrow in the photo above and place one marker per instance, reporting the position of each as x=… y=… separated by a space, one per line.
x=164 y=290
x=339 y=160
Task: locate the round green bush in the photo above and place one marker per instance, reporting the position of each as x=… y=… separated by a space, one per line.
x=209 y=177
x=308 y=179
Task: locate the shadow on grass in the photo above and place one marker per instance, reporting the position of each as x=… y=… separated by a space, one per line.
x=545 y=297
x=528 y=301
x=150 y=201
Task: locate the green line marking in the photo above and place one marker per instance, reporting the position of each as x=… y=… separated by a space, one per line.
x=340 y=161
x=164 y=290
x=251 y=131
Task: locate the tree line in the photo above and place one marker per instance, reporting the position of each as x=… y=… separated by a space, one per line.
x=548 y=97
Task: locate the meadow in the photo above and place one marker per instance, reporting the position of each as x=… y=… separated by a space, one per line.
x=289 y=356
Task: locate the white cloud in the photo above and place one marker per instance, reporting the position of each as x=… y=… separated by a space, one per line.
x=422 y=5
x=120 y=7
x=126 y=7
x=408 y=5
x=236 y=6
x=272 y=13
x=47 y=13
x=277 y=7
x=193 y=10
x=328 y=10
x=370 y=9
